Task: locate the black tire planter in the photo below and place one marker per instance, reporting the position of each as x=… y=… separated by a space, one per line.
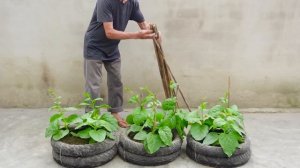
x=134 y=152
x=214 y=156
x=87 y=155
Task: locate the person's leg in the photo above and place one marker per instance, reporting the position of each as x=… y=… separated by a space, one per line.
x=115 y=89
x=93 y=78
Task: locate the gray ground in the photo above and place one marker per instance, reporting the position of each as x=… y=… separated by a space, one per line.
x=275 y=141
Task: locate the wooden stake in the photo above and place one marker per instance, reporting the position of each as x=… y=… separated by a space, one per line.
x=164 y=69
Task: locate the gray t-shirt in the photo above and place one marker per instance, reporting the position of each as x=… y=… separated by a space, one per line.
x=96 y=44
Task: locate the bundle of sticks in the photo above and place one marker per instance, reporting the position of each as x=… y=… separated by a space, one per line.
x=164 y=69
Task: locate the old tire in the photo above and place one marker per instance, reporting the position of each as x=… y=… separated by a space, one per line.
x=82 y=150
x=134 y=152
x=138 y=148
x=84 y=162
x=214 y=156
x=147 y=160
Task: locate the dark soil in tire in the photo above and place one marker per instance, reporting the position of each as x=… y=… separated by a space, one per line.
x=214 y=156
x=85 y=162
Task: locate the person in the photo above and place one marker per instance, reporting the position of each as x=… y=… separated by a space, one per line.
x=101 y=41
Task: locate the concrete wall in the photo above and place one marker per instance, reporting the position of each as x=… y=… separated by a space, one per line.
x=255 y=42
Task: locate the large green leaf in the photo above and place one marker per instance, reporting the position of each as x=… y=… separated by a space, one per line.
x=90 y=121
x=74 y=118
x=139 y=116
x=238 y=129
x=60 y=134
x=134 y=128
x=86 y=115
x=153 y=143
x=239 y=137
x=111 y=119
x=148 y=123
x=215 y=111
x=55 y=117
x=169 y=121
x=234 y=111
x=81 y=125
x=234 y=108
x=209 y=122
x=129 y=119
x=229 y=143
x=219 y=122
x=198 y=131
x=237 y=120
x=52 y=129
x=84 y=134
x=192 y=117
x=98 y=135
x=165 y=134
x=211 y=138
x=141 y=136
x=104 y=124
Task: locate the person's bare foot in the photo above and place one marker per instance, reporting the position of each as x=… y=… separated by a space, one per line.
x=122 y=123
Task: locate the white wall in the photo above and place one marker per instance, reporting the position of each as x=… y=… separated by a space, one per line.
x=256 y=42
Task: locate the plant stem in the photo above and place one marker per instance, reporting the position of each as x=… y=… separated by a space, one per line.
x=154 y=119
x=202 y=115
x=228 y=93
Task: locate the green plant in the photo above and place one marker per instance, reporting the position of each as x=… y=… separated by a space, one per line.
x=151 y=125
x=59 y=122
x=92 y=126
x=222 y=125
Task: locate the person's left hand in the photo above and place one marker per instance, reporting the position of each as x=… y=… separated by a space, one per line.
x=123 y=1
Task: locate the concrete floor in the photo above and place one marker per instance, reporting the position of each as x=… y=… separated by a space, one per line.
x=275 y=141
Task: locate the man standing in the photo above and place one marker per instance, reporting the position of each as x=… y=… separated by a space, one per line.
x=101 y=41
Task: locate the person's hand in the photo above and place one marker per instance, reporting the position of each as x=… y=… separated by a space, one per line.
x=146 y=34
x=123 y=1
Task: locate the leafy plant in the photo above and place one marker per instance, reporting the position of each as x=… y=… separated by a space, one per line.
x=154 y=123
x=59 y=122
x=222 y=125
x=92 y=126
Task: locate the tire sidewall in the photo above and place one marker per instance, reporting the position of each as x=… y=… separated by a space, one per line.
x=85 y=150
x=138 y=148
x=214 y=151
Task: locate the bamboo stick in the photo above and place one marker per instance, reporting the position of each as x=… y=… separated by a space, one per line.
x=165 y=71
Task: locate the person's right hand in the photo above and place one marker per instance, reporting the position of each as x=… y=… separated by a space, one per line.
x=146 y=34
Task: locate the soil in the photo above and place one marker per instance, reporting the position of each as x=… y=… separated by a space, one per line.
x=74 y=140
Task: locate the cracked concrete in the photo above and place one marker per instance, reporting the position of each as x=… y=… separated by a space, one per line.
x=275 y=141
